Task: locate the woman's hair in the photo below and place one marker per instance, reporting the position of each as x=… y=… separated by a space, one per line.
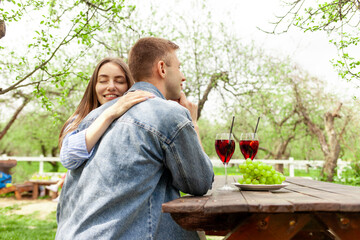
x=89 y=101
x=145 y=53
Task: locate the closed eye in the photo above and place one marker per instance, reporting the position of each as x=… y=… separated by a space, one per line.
x=120 y=80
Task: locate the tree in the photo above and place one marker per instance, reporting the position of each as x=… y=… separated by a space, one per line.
x=350 y=140
x=280 y=125
x=26 y=100
x=280 y=113
x=56 y=32
x=326 y=132
x=63 y=34
x=217 y=63
x=211 y=62
x=35 y=133
x=337 y=18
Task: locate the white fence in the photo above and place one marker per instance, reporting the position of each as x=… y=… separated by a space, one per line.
x=291 y=164
x=40 y=159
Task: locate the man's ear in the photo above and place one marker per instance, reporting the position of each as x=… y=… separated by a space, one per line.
x=161 y=68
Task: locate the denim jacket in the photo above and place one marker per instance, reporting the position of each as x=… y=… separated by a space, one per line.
x=143 y=159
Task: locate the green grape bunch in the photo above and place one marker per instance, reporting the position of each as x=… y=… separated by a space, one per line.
x=259 y=173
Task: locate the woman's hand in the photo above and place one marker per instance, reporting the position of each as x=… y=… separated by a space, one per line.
x=126 y=102
x=99 y=126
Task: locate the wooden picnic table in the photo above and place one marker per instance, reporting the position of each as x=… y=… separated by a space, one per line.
x=305 y=209
x=38 y=183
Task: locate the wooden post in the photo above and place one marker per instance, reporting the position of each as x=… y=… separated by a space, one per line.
x=41 y=165
x=279 y=167
x=291 y=167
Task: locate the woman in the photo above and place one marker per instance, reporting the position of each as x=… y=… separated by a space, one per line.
x=110 y=79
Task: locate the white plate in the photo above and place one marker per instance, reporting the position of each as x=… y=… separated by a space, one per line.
x=260 y=187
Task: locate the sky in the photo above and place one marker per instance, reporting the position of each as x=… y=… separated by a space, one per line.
x=311 y=51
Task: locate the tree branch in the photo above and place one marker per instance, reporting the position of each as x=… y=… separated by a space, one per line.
x=15 y=115
x=213 y=83
x=2 y=28
x=63 y=42
x=302 y=111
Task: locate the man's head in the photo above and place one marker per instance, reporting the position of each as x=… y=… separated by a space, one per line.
x=154 y=60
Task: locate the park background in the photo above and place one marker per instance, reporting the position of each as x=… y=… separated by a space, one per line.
x=294 y=64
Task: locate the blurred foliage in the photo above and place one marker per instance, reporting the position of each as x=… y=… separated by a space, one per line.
x=339 y=19
x=350 y=175
x=24 y=170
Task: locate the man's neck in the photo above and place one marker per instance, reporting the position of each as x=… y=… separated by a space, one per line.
x=157 y=83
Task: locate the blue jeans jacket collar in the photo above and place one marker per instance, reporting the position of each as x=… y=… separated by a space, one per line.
x=145 y=86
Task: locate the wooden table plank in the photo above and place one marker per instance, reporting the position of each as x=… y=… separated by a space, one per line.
x=187 y=204
x=343 y=190
x=225 y=202
x=303 y=202
x=266 y=201
x=335 y=201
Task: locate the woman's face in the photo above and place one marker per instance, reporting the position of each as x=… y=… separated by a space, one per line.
x=111 y=82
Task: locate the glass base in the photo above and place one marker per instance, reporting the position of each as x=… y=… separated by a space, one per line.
x=226 y=188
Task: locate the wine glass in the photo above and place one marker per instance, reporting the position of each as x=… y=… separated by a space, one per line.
x=225 y=147
x=249 y=144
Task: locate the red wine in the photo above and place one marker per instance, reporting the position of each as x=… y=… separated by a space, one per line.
x=249 y=148
x=225 y=150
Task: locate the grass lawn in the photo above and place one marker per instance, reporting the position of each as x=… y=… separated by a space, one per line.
x=14 y=226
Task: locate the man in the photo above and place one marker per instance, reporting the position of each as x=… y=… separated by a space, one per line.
x=143 y=159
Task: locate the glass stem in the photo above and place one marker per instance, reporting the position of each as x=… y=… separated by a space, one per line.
x=226 y=183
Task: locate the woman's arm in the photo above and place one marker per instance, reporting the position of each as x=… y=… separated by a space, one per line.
x=73 y=151
x=77 y=146
x=99 y=126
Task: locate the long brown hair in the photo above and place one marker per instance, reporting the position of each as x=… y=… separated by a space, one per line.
x=89 y=101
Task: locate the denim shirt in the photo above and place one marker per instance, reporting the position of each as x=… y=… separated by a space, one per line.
x=143 y=159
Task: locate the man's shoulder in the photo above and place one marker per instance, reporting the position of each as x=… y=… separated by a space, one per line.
x=168 y=108
x=159 y=114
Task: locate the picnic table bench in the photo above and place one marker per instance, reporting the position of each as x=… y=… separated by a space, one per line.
x=305 y=209
x=18 y=189
x=30 y=186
